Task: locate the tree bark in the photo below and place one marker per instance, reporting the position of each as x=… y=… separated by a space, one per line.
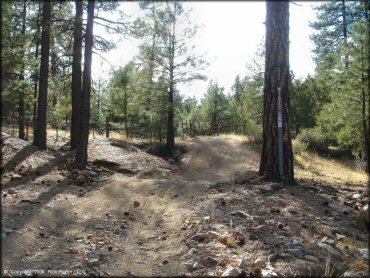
x=367 y=14
x=345 y=33
x=76 y=77
x=81 y=154
x=170 y=124
x=21 y=134
x=125 y=111
x=276 y=75
x=40 y=132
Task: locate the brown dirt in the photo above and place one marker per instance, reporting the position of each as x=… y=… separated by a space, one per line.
x=59 y=225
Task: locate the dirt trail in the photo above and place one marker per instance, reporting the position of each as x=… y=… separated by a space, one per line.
x=61 y=231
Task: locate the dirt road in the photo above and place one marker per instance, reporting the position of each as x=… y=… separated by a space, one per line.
x=103 y=231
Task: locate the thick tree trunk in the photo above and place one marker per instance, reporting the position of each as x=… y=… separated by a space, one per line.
x=106 y=127
x=21 y=134
x=276 y=76
x=40 y=132
x=81 y=154
x=367 y=14
x=76 y=77
x=363 y=107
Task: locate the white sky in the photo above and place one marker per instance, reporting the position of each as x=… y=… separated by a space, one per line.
x=230 y=35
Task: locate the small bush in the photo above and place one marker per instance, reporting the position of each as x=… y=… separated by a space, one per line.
x=319 y=141
x=298 y=147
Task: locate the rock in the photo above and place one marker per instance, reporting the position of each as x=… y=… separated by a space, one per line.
x=272 y=258
x=211 y=260
x=171 y=161
x=356 y=196
x=327 y=232
x=3 y=235
x=190 y=233
x=99 y=226
x=259 y=262
x=197 y=266
x=328 y=248
x=329 y=241
x=340 y=209
x=15 y=177
x=7 y=230
x=253 y=237
x=12 y=191
x=242 y=264
x=364 y=253
x=231 y=272
x=191 y=243
x=280 y=226
x=311 y=258
x=340 y=237
x=268 y=273
x=74 y=173
x=189 y=266
x=136 y=204
x=298 y=252
x=212 y=235
x=199 y=237
x=227 y=240
x=239 y=213
x=88 y=173
x=350 y=273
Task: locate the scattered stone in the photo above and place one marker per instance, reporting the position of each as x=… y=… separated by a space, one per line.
x=190 y=233
x=7 y=230
x=136 y=204
x=328 y=248
x=311 y=258
x=231 y=272
x=12 y=191
x=272 y=258
x=212 y=235
x=327 y=232
x=211 y=260
x=99 y=226
x=280 y=226
x=41 y=234
x=364 y=253
x=340 y=209
x=197 y=266
x=88 y=173
x=199 y=237
x=242 y=264
x=259 y=262
x=253 y=237
x=75 y=173
x=350 y=273
x=340 y=237
x=356 y=196
x=189 y=266
x=298 y=252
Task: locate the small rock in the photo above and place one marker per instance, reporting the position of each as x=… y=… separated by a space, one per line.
x=136 y=204
x=212 y=235
x=340 y=237
x=41 y=234
x=253 y=237
x=328 y=248
x=3 y=235
x=199 y=237
x=242 y=264
x=280 y=226
x=356 y=196
x=7 y=230
x=327 y=232
x=165 y=262
x=189 y=266
x=364 y=253
x=352 y=274
x=88 y=173
x=75 y=173
x=12 y=191
x=211 y=260
x=259 y=262
x=272 y=258
x=298 y=252
x=231 y=272
x=99 y=226
x=190 y=233
x=197 y=266
x=311 y=258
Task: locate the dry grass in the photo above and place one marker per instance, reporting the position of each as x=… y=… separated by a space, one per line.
x=310 y=165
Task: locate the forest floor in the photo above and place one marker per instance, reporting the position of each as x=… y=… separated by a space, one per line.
x=202 y=212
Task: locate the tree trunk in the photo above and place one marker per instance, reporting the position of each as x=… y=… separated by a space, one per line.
x=76 y=77
x=276 y=76
x=40 y=132
x=345 y=33
x=21 y=134
x=125 y=111
x=81 y=154
x=170 y=124
x=106 y=127
x=367 y=14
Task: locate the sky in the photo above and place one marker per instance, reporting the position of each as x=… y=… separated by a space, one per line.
x=229 y=36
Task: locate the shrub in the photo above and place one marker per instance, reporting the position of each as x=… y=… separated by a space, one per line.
x=298 y=147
